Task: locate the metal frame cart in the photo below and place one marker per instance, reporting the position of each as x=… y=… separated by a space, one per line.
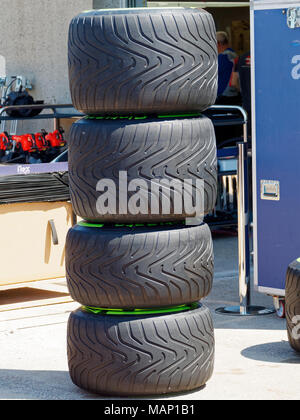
x=55 y=115
x=52 y=113
x=235 y=115
x=275 y=57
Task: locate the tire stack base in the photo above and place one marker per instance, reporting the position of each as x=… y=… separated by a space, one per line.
x=140 y=276
x=128 y=355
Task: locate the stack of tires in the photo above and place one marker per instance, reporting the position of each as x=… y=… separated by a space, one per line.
x=139 y=271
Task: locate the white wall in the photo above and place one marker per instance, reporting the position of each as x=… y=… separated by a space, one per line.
x=34 y=44
x=2 y=66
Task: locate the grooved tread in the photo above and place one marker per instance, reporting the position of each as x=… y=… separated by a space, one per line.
x=137 y=267
x=143 y=61
x=292 y=299
x=142 y=355
x=147 y=150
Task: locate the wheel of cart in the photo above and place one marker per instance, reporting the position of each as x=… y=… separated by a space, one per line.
x=279 y=305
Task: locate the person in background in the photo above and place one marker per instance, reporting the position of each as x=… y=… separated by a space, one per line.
x=228 y=88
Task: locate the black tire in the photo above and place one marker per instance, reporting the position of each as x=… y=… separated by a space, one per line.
x=292 y=304
x=143 y=60
x=140 y=355
x=139 y=267
x=148 y=150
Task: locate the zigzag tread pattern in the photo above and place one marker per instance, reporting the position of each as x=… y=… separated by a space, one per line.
x=166 y=149
x=139 y=269
x=292 y=299
x=143 y=62
x=141 y=355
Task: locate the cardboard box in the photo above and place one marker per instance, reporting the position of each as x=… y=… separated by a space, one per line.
x=27 y=246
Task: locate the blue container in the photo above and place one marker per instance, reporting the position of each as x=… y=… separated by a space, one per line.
x=275 y=59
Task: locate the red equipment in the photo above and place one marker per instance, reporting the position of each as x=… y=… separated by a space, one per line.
x=31 y=143
x=5 y=141
x=45 y=144
x=25 y=143
x=41 y=142
x=55 y=139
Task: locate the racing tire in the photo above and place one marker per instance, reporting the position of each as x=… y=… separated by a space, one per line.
x=143 y=61
x=131 y=355
x=292 y=304
x=139 y=267
x=149 y=152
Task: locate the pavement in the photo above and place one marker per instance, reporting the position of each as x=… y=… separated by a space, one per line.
x=254 y=360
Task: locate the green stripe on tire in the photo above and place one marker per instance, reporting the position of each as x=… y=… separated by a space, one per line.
x=108 y=311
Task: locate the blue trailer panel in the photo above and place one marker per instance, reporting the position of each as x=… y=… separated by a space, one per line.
x=275 y=55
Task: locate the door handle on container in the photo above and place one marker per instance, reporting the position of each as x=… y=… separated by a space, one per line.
x=53 y=232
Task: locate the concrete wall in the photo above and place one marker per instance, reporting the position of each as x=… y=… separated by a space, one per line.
x=34 y=44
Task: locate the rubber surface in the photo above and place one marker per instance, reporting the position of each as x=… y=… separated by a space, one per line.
x=148 y=355
x=148 y=150
x=142 y=60
x=292 y=301
x=139 y=267
x=48 y=187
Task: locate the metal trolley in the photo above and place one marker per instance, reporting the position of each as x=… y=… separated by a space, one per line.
x=236 y=115
x=52 y=113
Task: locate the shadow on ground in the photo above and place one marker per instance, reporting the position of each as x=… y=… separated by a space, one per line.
x=57 y=385
x=277 y=352
x=225 y=292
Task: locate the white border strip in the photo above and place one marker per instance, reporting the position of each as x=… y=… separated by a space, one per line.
x=271 y=291
x=254 y=180
x=198 y=4
x=273 y=4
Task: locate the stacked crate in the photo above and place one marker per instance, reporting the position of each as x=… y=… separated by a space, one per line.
x=142 y=77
